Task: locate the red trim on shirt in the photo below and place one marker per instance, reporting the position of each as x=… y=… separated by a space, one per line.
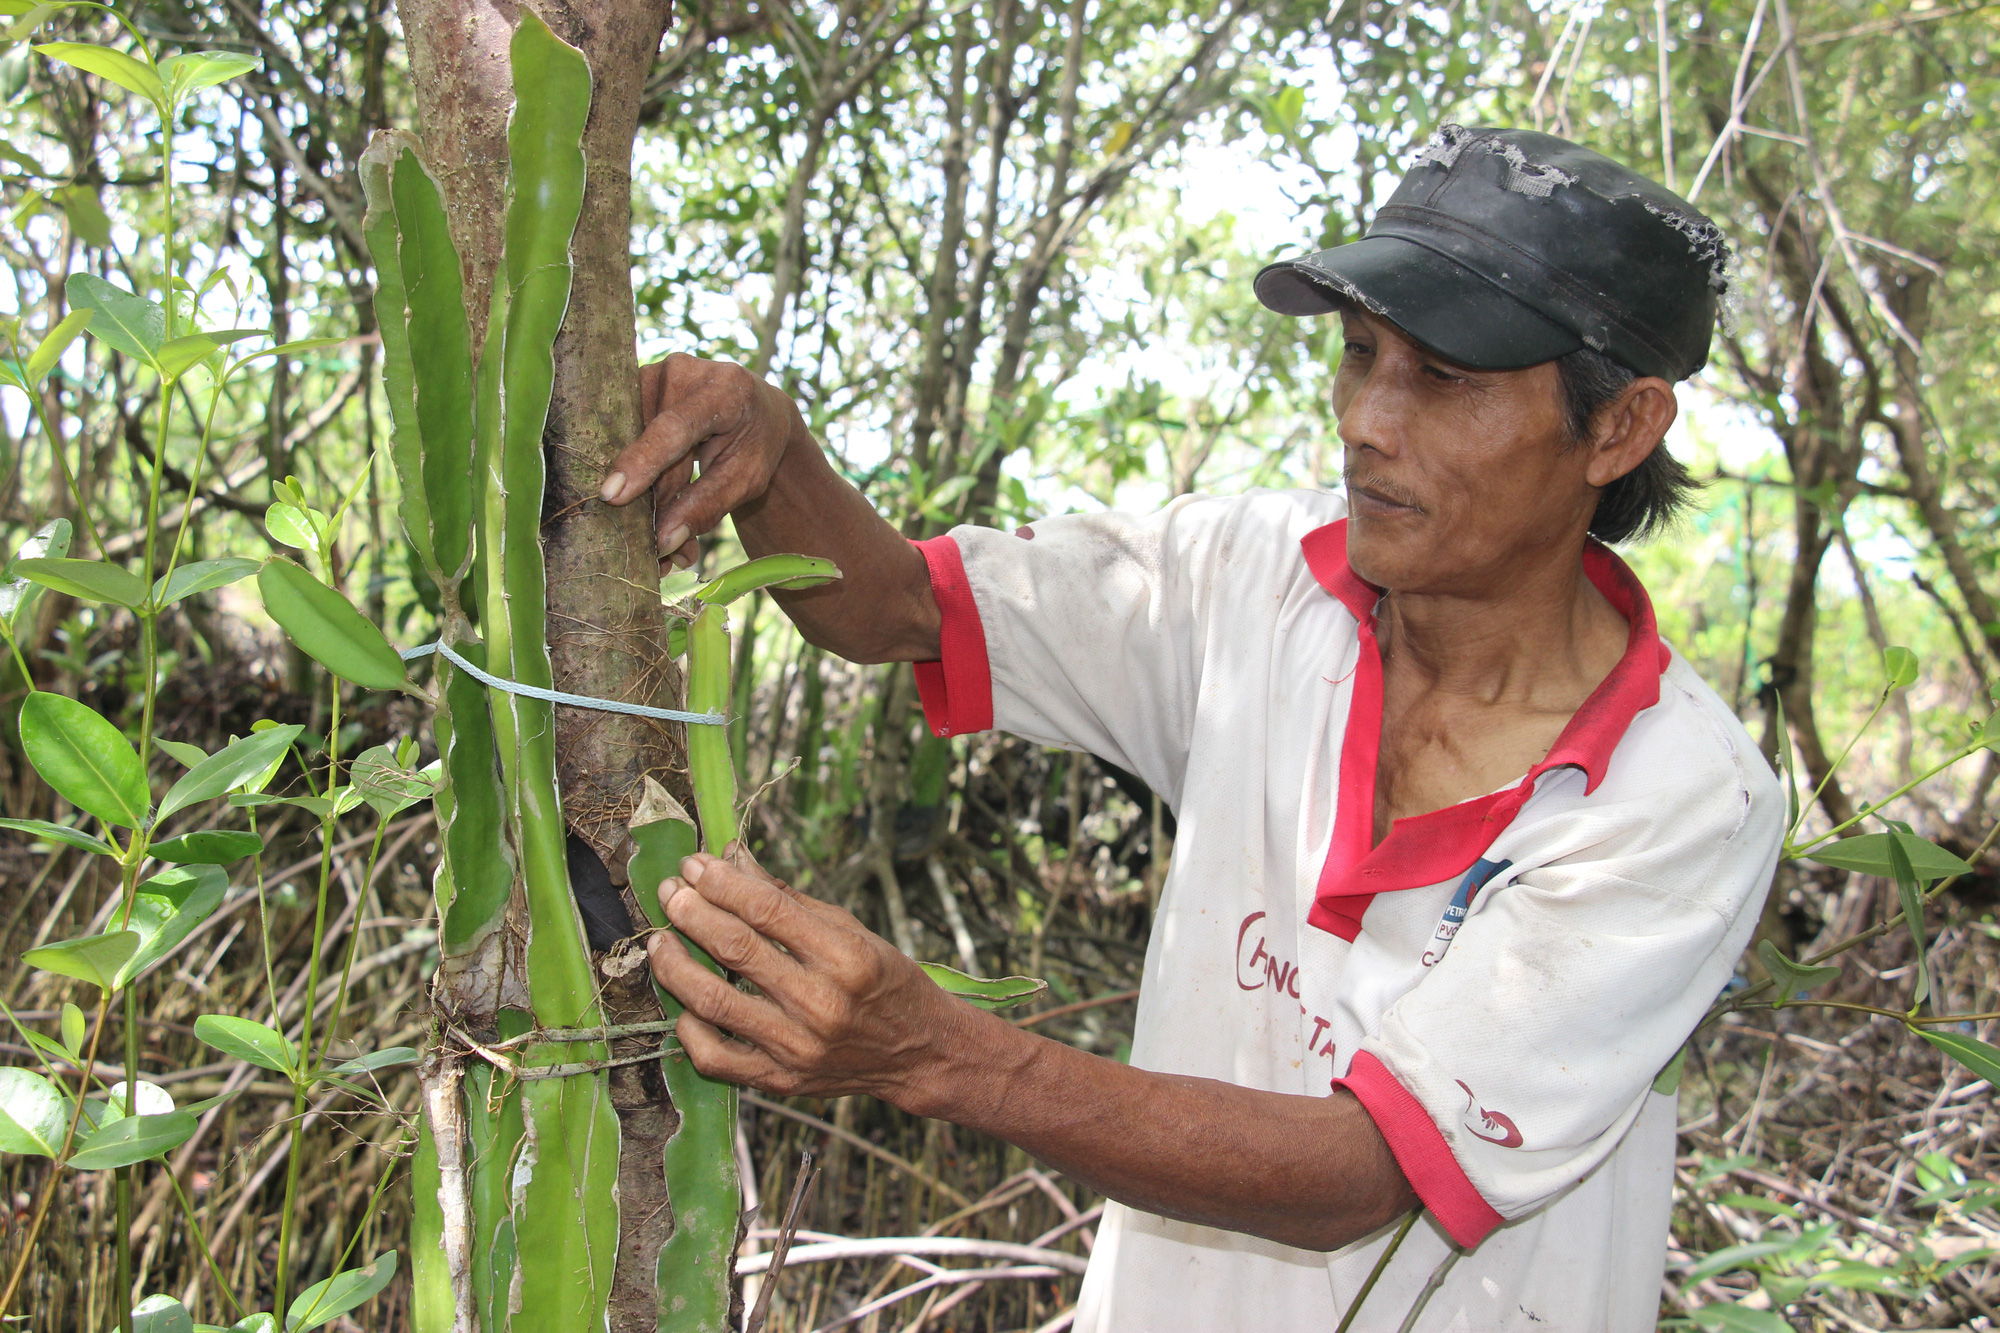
x=956 y=690
x=1421 y=1151
x=1430 y=848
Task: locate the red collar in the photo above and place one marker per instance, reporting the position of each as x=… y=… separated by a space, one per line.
x=1429 y=849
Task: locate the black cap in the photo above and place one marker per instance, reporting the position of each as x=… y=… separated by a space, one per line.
x=1507 y=248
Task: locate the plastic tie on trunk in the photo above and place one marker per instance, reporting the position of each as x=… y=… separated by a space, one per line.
x=563 y=696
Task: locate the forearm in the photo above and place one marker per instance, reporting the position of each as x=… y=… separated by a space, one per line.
x=1312 y=1172
x=881 y=610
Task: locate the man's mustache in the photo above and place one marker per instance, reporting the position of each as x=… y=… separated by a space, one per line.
x=1387 y=489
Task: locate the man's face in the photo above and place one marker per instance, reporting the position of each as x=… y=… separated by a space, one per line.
x=1454 y=476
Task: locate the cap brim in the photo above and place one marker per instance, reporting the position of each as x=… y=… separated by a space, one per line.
x=1436 y=301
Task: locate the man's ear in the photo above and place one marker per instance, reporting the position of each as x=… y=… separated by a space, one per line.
x=1629 y=427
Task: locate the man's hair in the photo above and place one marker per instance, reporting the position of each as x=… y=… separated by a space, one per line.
x=1651 y=497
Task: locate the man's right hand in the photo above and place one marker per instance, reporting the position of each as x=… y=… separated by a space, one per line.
x=760 y=463
x=734 y=424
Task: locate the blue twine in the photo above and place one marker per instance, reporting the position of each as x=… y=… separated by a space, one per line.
x=560 y=697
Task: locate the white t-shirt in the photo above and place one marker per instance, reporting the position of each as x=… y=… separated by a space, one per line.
x=1499 y=982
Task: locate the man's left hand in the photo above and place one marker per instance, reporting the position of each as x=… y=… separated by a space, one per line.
x=839 y=1010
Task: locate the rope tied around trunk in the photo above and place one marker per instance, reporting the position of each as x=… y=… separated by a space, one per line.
x=443 y=649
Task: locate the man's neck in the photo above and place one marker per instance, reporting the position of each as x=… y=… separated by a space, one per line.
x=1547 y=641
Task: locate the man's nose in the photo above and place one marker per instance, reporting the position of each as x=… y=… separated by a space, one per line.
x=1373 y=419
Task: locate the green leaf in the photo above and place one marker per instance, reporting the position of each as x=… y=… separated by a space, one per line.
x=388 y=785
x=32 y=1118
x=128 y=323
x=214 y=847
x=195 y=70
x=661 y=846
x=1752 y=1203
x=263 y=779
x=1668 y=1081
x=74 y=1029
x=47 y=352
x=134 y=76
x=51 y=1051
x=262 y=1322
x=328 y=629
x=1004 y=993
x=389 y=1057
x=677 y=637
x=1869 y=854
x=93 y=958
x=92 y=580
x=1857 y=1276
x=62 y=833
x=201 y=576
x=248 y=1041
x=1899 y=665
x=1911 y=893
x=289 y=526
x=149 y=1099
x=1976 y=1055
x=177 y=357
x=85 y=212
x=161 y=1314
x=418 y=321
x=31 y=200
x=1739 y=1319
x=1792 y=979
x=19 y=596
x=772 y=571
x=319 y=807
x=132 y=1139
x=180 y=751
x=86 y=759
x=234 y=765
x=284 y=349
x=1730 y=1258
x=1780 y=729
x=166 y=909
x=324 y=1302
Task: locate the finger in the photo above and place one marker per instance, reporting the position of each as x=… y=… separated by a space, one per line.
x=703 y=992
x=684 y=556
x=717 y=1057
x=652 y=388
x=731 y=940
x=738 y=854
x=731 y=477
x=758 y=901
x=670 y=484
x=694 y=401
x=667 y=438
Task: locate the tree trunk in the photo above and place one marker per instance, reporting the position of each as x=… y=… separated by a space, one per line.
x=606 y=626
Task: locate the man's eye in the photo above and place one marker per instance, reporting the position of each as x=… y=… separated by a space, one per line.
x=1356 y=349
x=1440 y=373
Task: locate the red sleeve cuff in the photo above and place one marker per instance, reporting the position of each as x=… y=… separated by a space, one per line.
x=1421 y=1151
x=957 y=691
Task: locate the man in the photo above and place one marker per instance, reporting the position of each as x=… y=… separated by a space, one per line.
x=1465 y=849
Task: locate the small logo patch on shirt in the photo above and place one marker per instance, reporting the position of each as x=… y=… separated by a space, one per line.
x=1461 y=903
x=1489 y=1125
